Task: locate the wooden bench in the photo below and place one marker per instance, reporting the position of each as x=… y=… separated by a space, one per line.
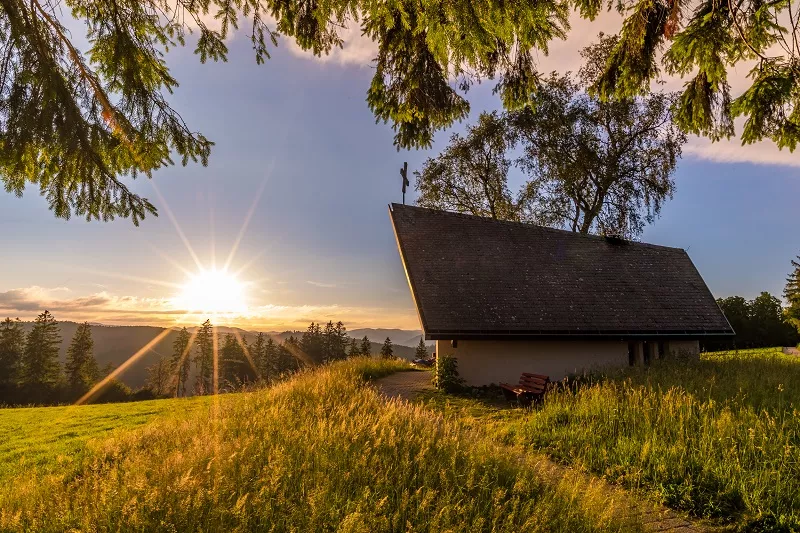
x=531 y=387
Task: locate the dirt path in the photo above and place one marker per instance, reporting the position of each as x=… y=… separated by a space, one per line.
x=656 y=518
x=791 y=351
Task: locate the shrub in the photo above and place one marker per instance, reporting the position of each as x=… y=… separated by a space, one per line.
x=445 y=374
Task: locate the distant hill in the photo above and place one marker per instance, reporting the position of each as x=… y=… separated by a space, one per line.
x=404 y=337
x=115 y=344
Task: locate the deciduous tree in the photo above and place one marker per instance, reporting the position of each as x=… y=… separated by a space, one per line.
x=471 y=174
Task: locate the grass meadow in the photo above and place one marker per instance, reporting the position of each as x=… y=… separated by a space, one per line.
x=718 y=437
x=320 y=452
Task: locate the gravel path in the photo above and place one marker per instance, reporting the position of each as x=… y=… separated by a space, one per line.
x=655 y=518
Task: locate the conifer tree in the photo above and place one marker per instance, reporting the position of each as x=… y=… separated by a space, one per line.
x=354 y=350
x=258 y=351
x=272 y=362
x=312 y=343
x=792 y=293
x=159 y=377
x=12 y=349
x=180 y=361
x=366 y=347
x=422 y=351
x=387 y=352
x=41 y=371
x=204 y=359
x=81 y=366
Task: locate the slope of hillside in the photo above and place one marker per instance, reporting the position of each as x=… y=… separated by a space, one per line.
x=321 y=452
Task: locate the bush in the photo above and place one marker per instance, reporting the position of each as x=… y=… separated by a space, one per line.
x=445 y=374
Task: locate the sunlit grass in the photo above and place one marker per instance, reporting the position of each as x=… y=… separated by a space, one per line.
x=321 y=452
x=718 y=437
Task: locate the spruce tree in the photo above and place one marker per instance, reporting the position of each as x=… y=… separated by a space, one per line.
x=180 y=362
x=354 y=350
x=12 y=349
x=204 y=359
x=81 y=366
x=387 y=352
x=366 y=347
x=41 y=371
x=258 y=351
x=422 y=351
x=792 y=293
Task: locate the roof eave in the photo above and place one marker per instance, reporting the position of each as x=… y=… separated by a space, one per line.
x=600 y=335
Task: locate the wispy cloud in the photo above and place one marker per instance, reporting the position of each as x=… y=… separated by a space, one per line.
x=321 y=284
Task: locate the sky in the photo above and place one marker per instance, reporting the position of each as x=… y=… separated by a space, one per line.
x=301 y=176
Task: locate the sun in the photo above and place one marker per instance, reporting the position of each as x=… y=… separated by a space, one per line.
x=213 y=291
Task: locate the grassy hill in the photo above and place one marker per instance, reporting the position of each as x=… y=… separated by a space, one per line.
x=321 y=452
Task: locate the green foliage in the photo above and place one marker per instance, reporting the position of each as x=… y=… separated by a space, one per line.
x=181 y=361
x=12 y=348
x=236 y=363
x=422 y=351
x=471 y=174
x=445 y=374
x=75 y=123
x=81 y=366
x=206 y=343
x=325 y=345
x=715 y=437
x=592 y=165
x=792 y=294
x=366 y=347
x=758 y=323
x=159 y=382
x=708 y=41
x=40 y=369
x=373 y=465
x=387 y=352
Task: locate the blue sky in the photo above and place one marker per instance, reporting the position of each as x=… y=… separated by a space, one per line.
x=319 y=244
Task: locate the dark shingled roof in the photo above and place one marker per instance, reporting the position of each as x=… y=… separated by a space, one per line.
x=474 y=277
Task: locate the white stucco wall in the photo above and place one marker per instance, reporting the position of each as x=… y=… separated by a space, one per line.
x=487 y=362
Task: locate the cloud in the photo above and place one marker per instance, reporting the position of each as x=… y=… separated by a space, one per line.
x=108 y=308
x=357 y=49
x=320 y=284
x=732 y=151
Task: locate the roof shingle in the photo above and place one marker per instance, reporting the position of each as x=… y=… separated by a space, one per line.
x=474 y=277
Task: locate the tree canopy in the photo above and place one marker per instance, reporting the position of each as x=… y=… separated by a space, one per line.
x=591 y=165
x=77 y=123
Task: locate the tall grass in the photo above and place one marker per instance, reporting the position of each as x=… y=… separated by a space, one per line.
x=717 y=437
x=322 y=452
